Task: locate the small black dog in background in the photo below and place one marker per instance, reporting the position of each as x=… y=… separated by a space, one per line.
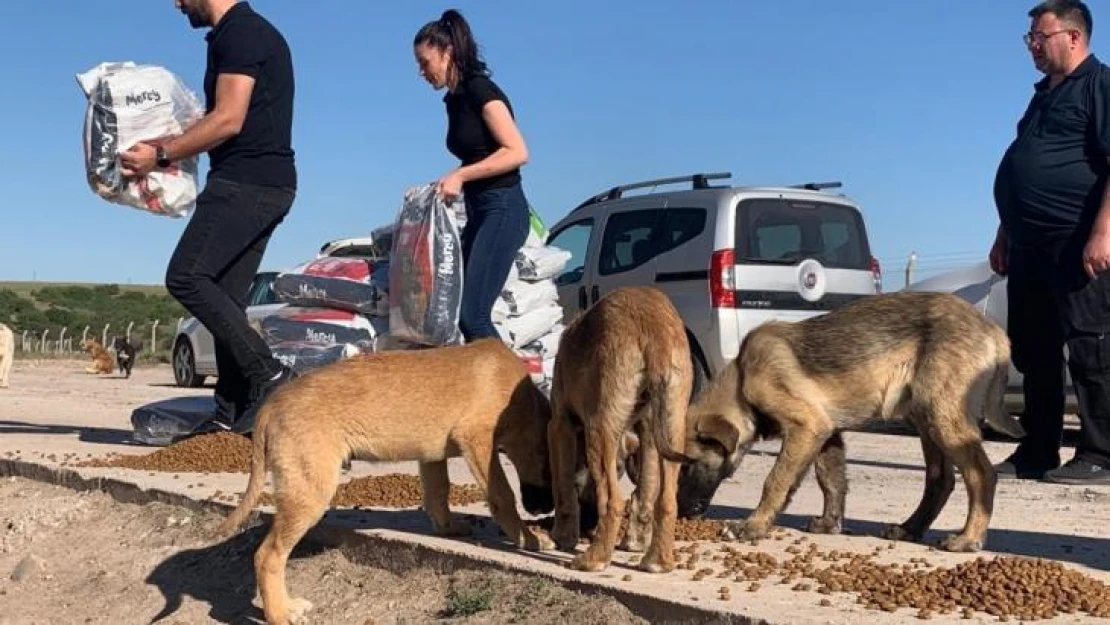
x=126 y=354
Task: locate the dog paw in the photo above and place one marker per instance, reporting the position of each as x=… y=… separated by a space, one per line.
x=656 y=565
x=537 y=541
x=584 y=562
x=900 y=533
x=959 y=543
x=822 y=525
x=744 y=530
x=632 y=544
x=298 y=611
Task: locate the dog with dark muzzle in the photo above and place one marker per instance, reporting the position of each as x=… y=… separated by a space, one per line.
x=931 y=358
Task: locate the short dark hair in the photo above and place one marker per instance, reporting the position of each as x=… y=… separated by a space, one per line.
x=451 y=29
x=1072 y=11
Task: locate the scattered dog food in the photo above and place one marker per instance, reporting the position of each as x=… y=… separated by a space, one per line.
x=226 y=452
x=222 y=452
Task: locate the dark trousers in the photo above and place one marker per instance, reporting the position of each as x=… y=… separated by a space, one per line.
x=212 y=268
x=496 y=228
x=1053 y=303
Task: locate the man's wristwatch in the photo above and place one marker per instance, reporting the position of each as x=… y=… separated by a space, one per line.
x=160 y=155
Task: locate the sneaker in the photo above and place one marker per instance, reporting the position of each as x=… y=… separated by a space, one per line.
x=244 y=424
x=1015 y=468
x=1079 y=471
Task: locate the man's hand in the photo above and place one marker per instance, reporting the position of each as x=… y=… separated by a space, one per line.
x=1096 y=255
x=139 y=161
x=999 y=255
x=449 y=187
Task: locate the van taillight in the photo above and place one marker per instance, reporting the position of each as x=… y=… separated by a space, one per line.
x=877 y=274
x=722 y=279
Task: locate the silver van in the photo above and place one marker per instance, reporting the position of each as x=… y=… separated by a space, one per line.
x=729 y=257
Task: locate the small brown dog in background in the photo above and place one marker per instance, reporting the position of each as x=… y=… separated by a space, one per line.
x=427 y=405
x=102 y=360
x=623 y=364
x=7 y=354
x=931 y=358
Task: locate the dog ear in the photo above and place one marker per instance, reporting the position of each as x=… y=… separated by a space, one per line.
x=719 y=429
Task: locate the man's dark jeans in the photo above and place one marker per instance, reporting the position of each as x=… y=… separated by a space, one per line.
x=212 y=269
x=1053 y=303
x=496 y=228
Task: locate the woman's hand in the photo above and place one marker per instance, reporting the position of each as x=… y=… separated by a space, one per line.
x=449 y=186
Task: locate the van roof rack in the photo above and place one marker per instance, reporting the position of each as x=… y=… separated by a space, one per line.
x=818 y=186
x=697 y=181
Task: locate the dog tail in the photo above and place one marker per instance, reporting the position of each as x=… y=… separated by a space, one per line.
x=995 y=412
x=238 y=516
x=665 y=406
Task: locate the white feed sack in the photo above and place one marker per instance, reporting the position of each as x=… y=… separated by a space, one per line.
x=520 y=298
x=127 y=104
x=529 y=327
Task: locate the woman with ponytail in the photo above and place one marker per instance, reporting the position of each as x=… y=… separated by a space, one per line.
x=482 y=134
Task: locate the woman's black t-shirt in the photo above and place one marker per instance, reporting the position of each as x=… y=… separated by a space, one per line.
x=468 y=137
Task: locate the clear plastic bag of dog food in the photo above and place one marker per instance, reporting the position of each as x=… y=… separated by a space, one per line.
x=425 y=269
x=128 y=103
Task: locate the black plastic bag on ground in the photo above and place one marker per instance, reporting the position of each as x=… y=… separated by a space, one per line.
x=159 y=423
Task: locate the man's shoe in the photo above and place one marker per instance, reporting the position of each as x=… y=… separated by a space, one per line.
x=245 y=423
x=1079 y=471
x=1017 y=468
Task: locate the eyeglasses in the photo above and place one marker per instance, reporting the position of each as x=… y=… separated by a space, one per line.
x=1039 y=38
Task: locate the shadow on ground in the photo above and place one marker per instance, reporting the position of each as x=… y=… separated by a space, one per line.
x=103 y=436
x=1084 y=550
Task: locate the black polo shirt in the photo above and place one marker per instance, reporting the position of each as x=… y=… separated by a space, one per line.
x=1051 y=178
x=243 y=42
x=468 y=137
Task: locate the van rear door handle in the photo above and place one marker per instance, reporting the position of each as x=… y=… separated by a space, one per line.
x=582 y=303
x=595 y=292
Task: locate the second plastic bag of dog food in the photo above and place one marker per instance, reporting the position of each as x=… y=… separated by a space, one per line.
x=425 y=269
x=127 y=104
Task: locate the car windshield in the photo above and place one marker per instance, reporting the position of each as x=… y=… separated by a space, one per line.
x=784 y=232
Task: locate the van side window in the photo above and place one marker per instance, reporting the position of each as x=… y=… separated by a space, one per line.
x=683 y=224
x=574 y=238
x=631 y=239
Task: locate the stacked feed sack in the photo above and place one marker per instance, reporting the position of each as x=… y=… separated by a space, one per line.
x=336 y=307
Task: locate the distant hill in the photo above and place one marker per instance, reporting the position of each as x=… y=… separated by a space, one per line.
x=36 y=307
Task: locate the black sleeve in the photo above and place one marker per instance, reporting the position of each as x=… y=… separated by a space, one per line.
x=482 y=90
x=240 y=50
x=1101 y=112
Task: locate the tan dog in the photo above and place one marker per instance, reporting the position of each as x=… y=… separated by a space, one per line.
x=426 y=405
x=7 y=354
x=929 y=357
x=102 y=360
x=623 y=364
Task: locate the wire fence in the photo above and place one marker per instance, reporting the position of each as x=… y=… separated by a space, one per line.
x=151 y=338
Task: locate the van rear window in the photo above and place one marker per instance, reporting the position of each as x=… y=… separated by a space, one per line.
x=784 y=232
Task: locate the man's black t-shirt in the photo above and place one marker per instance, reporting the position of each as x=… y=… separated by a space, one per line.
x=243 y=42
x=468 y=137
x=1050 y=181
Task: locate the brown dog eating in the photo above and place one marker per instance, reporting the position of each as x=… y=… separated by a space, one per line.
x=624 y=364
x=426 y=405
x=931 y=358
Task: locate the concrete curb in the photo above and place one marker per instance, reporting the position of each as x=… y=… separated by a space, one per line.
x=386 y=552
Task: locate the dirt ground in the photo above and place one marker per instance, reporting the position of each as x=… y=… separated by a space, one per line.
x=69 y=557
x=75 y=558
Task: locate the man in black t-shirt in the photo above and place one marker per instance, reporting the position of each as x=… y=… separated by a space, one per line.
x=1054 y=245
x=252 y=181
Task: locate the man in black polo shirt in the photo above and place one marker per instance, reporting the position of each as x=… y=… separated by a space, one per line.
x=1053 y=242
x=252 y=179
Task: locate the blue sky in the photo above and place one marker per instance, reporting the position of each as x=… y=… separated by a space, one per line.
x=909 y=104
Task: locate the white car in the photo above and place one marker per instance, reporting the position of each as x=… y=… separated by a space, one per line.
x=729 y=257
x=194 y=356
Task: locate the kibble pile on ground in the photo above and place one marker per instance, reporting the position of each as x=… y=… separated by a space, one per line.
x=225 y=452
x=1008 y=588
